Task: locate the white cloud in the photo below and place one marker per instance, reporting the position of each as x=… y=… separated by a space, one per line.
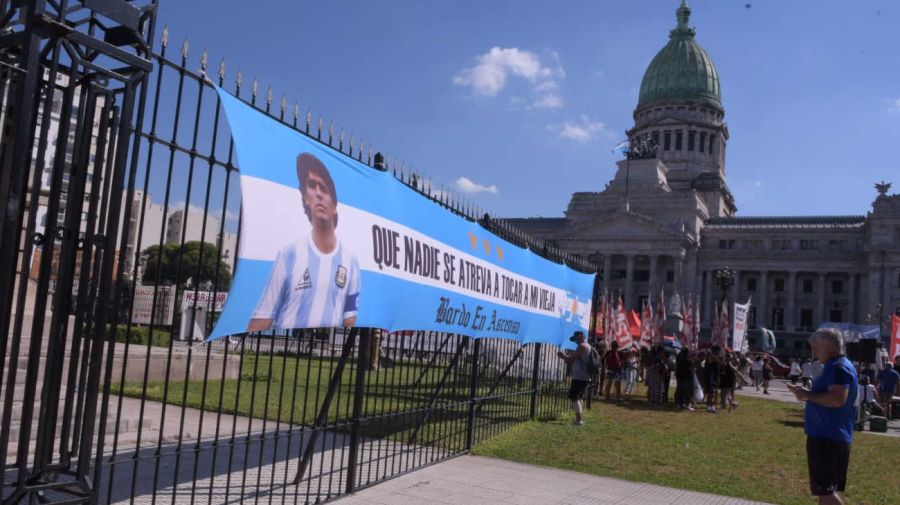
x=757 y=183
x=894 y=106
x=584 y=129
x=492 y=70
x=466 y=185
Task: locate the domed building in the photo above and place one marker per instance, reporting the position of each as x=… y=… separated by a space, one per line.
x=667 y=220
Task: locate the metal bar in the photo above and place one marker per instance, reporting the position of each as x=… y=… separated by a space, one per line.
x=473 y=394
x=440 y=387
x=535 y=372
x=431 y=361
x=322 y=417
x=362 y=365
x=502 y=375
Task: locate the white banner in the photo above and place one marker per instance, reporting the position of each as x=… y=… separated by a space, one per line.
x=739 y=340
x=206 y=299
x=153 y=305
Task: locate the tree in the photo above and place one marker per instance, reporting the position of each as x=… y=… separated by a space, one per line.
x=161 y=266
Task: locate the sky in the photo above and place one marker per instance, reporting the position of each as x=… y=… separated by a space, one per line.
x=516 y=105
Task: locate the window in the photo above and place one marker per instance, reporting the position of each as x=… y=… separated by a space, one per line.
x=751 y=317
x=835 y=316
x=670 y=276
x=781 y=244
x=779 y=285
x=806 y=318
x=837 y=287
x=712 y=140
x=656 y=138
x=678 y=138
x=642 y=276
x=753 y=244
x=667 y=141
x=727 y=243
x=778 y=317
x=807 y=244
x=807 y=285
x=702 y=141
x=834 y=245
x=618 y=274
x=751 y=284
x=692 y=139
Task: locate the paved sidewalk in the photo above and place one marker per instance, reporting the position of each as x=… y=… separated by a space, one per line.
x=778 y=391
x=477 y=480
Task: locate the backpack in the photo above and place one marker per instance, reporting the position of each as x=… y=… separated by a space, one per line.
x=593 y=363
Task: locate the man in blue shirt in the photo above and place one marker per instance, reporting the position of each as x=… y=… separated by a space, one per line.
x=887 y=386
x=829 y=416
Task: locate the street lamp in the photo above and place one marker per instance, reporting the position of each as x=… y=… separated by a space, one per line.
x=724 y=279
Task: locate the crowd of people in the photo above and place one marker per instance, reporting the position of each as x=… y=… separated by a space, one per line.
x=707 y=376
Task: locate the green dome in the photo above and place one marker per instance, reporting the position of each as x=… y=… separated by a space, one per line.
x=681 y=71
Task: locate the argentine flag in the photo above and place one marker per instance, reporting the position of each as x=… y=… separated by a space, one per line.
x=621 y=148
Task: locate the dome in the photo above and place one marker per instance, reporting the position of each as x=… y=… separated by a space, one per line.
x=681 y=71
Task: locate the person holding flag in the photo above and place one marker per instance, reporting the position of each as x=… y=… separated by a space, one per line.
x=687 y=331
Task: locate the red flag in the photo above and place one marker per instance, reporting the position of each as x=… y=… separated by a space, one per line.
x=688 y=331
x=895 y=336
x=696 y=335
x=725 y=323
x=647 y=327
x=660 y=319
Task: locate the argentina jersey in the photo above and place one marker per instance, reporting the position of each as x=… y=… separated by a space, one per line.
x=308 y=289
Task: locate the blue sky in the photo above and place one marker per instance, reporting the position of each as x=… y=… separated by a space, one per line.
x=525 y=99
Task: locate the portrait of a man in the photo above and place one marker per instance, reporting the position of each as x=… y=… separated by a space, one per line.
x=314 y=282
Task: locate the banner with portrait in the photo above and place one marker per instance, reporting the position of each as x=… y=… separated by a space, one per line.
x=327 y=241
x=738 y=336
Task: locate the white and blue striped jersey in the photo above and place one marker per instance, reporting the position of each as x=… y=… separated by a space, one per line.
x=308 y=289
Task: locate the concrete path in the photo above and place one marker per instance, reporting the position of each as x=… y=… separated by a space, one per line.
x=477 y=480
x=778 y=391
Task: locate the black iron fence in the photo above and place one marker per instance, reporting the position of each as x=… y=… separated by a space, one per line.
x=119 y=239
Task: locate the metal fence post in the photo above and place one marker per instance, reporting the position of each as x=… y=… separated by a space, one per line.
x=473 y=394
x=535 y=369
x=362 y=366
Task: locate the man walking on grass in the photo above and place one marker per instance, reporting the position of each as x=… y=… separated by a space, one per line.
x=581 y=376
x=829 y=417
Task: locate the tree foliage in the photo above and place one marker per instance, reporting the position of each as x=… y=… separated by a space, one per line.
x=161 y=266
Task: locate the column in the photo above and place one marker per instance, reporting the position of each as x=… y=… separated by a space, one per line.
x=708 y=297
x=820 y=302
x=654 y=276
x=607 y=271
x=791 y=292
x=678 y=267
x=874 y=293
x=735 y=289
x=850 y=316
x=629 y=281
x=762 y=305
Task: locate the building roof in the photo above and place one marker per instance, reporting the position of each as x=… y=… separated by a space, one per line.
x=682 y=71
x=786 y=222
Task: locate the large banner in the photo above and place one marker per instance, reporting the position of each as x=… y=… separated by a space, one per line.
x=327 y=241
x=739 y=341
x=895 y=336
x=855 y=332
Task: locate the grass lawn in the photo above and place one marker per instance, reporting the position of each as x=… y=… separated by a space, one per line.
x=757 y=452
x=293 y=388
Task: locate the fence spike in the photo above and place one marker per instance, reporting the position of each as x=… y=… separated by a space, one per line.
x=341 y=141
x=308 y=120
x=204 y=60
x=254 y=88
x=239 y=77
x=221 y=70
x=330 y=131
x=283 y=104
x=319 y=125
x=296 y=112
x=369 y=159
x=269 y=95
x=359 y=153
x=164 y=40
x=351 y=145
x=184 y=48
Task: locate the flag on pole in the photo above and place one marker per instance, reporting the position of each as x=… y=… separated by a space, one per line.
x=621 y=147
x=647 y=325
x=621 y=324
x=739 y=344
x=895 y=336
x=725 y=323
x=696 y=336
x=688 y=329
x=660 y=330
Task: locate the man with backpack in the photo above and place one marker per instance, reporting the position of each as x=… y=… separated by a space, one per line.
x=581 y=362
x=613 y=370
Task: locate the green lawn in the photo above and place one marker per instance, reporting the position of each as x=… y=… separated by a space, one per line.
x=293 y=389
x=757 y=452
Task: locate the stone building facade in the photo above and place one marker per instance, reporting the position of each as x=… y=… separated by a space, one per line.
x=669 y=221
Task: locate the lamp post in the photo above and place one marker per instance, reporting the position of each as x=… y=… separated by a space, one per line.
x=725 y=279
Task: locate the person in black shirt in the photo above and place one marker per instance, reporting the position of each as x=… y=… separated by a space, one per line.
x=684 y=377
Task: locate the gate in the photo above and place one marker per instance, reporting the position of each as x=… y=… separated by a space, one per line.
x=119 y=238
